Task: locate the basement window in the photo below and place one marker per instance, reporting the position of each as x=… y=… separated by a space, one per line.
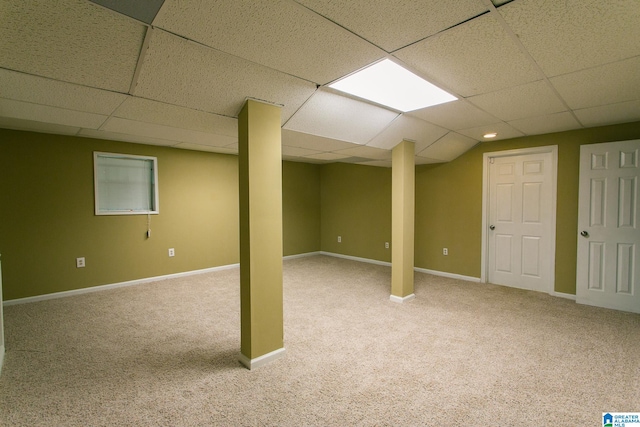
x=125 y=184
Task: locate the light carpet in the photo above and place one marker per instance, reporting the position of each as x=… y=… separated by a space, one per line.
x=460 y=354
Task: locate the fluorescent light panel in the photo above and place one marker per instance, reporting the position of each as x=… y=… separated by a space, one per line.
x=389 y=84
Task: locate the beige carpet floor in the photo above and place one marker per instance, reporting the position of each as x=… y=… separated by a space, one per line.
x=460 y=354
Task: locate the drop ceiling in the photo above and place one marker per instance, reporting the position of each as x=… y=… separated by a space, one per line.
x=176 y=73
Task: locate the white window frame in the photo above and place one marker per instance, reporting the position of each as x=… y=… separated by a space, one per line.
x=154 y=209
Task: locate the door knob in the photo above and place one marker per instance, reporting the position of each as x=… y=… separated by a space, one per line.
x=584 y=233
x=492 y=227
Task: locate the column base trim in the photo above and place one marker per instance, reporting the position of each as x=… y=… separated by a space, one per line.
x=402 y=299
x=1 y=357
x=262 y=360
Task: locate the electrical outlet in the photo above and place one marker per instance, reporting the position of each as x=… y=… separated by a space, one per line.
x=80 y=262
x=172 y=252
x=339 y=239
x=386 y=245
x=445 y=251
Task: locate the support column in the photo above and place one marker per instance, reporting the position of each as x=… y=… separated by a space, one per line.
x=402 y=221
x=260 y=190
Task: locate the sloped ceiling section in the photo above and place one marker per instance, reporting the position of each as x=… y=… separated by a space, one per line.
x=176 y=73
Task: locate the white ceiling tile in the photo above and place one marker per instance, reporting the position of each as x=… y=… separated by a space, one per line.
x=404 y=21
x=312 y=142
x=32 y=126
x=152 y=130
x=607 y=84
x=366 y=152
x=448 y=147
x=565 y=36
x=476 y=57
x=378 y=163
x=276 y=33
x=326 y=156
x=610 y=114
x=145 y=110
x=297 y=151
x=504 y=131
x=115 y=136
x=426 y=161
x=70 y=40
x=338 y=117
x=40 y=90
x=208 y=148
x=408 y=128
x=529 y=100
x=557 y=122
x=183 y=73
x=455 y=115
x=47 y=114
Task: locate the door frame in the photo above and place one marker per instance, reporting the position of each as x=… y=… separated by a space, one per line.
x=486 y=158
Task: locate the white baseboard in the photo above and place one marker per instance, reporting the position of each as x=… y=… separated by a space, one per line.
x=355 y=258
x=449 y=275
x=304 y=255
x=401 y=299
x=563 y=295
x=1 y=357
x=133 y=282
x=114 y=285
x=388 y=264
x=262 y=360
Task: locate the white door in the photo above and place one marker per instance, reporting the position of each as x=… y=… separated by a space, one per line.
x=520 y=221
x=608 y=226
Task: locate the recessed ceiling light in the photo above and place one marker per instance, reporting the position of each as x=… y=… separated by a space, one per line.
x=389 y=84
x=490 y=135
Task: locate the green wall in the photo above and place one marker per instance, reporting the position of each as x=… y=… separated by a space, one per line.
x=47 y=215
x=449 y=203
x=355 y=204
x=47 y=220
x=300 y=207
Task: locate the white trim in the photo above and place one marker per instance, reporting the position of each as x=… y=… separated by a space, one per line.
x=303 y=255
x=563 y=295
x=450 y=275
x=1 y=357
x=400 y=300
x=553 y=149
x=355 y=258
x=114 y=285
x=134 y=282
x=262 y=360
x=154 y=210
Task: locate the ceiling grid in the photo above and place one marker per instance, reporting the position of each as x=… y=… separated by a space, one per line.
x=175 y=73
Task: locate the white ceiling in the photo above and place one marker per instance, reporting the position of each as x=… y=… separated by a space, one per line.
x=176 y=73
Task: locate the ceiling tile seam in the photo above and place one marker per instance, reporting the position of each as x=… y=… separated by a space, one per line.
x=466 y=100
x=141 y=57
x=64 y=81
x=56 y=107
x=530 y=58
x=438 y=139
x=338 y=25
x=115 y=113
x=438 y=33
x=300 y=107
x=383 y=130
x=593 y=67
x=197 y=43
